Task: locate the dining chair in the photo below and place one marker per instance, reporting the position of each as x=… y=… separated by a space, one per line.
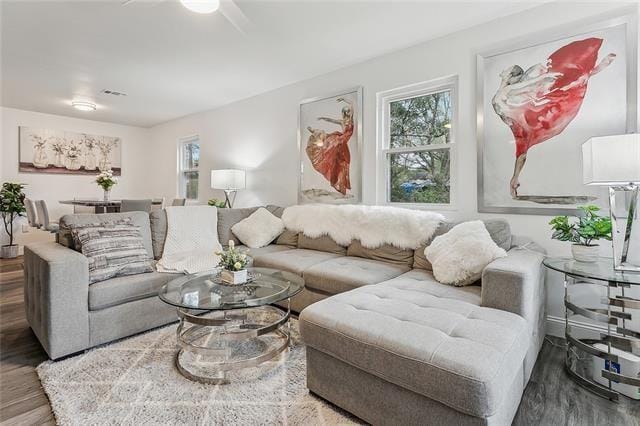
x=43 y=217
x=135 y=206
x=179 y=202
x=30 y=206
x=158 y=203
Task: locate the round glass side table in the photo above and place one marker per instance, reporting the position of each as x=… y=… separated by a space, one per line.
x=616 y=313
x=229 y=327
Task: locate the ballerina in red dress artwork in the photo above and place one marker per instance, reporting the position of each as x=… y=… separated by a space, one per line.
x=329 y=152
x=539 y=103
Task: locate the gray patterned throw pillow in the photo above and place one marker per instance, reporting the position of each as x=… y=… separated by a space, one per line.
x=113 y=250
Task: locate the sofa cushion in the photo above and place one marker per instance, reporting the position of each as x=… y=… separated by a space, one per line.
x=500 y=232
x=229 y=217
x=459 y=256
x=69 y=221
x=424 y=282
x=158 y=220
x=419 y=259
x=112 y=250
x=454 y=352
x=292 y=260
x=271 y=248
x=259 y=229
x=126 y=289
x=288 y=238
x=346 y=273
x=323 y=243
x=385 y=253
x=498 y=229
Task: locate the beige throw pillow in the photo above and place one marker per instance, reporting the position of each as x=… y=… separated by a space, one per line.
x=459 y=256
x=259 y=229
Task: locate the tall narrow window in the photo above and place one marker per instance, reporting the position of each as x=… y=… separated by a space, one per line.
x=188 y=163
x=417 y=142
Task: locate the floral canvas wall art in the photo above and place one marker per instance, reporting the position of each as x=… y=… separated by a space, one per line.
x=329 y=136
x=538 y=103
x=61 y=152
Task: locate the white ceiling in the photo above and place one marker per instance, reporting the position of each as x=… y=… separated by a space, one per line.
x=172 y=62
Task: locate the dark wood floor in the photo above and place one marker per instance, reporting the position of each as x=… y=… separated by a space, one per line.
x=551 y=398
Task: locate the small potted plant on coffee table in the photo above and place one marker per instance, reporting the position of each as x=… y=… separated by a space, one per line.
x=588 y=227
x=234 y=265
x=11 y=207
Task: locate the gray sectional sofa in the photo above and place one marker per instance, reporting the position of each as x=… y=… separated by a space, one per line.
x=385 y=341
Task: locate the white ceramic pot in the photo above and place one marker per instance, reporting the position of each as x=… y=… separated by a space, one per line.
x=234 y=277
x=9 y=252
x=587 y=254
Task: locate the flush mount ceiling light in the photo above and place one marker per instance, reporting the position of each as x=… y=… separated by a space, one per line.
x=83 y=105
x=201 y=6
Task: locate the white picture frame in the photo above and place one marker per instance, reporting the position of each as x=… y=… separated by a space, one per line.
x=608 y=107
x=63 y=152
x=325 y=176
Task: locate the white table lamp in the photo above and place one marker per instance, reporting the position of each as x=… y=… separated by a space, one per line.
x=614 y=161
x=229 y=180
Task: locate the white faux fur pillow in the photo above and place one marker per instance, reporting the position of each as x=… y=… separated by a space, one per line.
x=459 y=256
x=259 y=229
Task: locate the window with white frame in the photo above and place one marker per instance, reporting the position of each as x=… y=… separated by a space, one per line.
x=188 y=163
x=417 y=132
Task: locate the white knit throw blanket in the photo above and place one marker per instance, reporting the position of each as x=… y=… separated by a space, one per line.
x=374 y=226
x=192 y=240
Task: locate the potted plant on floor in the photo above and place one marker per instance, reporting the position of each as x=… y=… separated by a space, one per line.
x=11 y=207
x=233 y=263
x=588 y=227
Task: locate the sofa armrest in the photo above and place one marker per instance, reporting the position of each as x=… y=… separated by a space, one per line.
x=515 y=283
x=56 y=296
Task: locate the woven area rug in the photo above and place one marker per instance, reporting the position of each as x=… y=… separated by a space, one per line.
x=135 y=381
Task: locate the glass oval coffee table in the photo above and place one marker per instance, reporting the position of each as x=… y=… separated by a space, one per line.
x=230 y=327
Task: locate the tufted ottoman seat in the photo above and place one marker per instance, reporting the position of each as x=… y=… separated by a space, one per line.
x=412 y=351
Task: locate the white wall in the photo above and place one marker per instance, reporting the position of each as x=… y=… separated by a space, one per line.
x=53 y=188
x=259 y=134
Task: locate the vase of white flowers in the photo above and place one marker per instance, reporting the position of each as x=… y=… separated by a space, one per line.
x=106 y=181
x=233 y=263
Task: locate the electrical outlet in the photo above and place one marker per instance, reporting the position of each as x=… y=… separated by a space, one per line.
x=25 y=228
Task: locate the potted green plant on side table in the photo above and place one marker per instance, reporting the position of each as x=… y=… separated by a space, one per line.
x=11 y=207
x=588 y=227
x=234 y=265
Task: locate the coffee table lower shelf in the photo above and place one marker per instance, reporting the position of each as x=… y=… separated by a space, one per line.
x=213 y=343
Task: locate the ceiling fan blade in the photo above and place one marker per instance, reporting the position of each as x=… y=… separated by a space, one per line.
x=234 y=14
x=142 y=2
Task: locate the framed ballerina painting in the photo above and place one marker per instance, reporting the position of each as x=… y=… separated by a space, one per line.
x=539 y=101
x=330 y=142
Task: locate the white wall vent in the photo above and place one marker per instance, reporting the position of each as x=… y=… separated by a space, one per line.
x=112 y=92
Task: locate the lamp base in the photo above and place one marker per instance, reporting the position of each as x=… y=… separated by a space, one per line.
x=229 y=197
x=623 y=203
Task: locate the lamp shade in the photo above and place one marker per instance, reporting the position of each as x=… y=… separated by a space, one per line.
x=611 y=160
x=228 y=179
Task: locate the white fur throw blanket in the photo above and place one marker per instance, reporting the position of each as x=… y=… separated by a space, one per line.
x=374 y=226
x=192 y=240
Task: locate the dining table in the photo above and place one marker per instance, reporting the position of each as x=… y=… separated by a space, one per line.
x=103 y=206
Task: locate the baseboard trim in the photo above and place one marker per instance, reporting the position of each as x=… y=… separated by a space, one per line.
x=555 y=327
